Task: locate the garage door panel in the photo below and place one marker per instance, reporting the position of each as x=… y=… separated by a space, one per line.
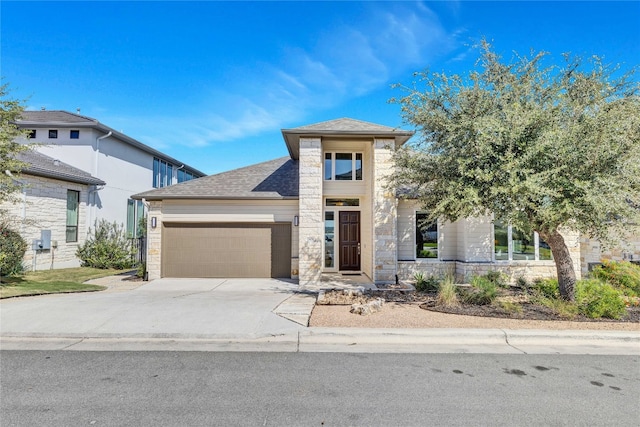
x=226 y=250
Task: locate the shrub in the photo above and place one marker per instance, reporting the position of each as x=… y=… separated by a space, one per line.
x=108 y=247
x=497 y=277
x=547 y=288
x=621 y=274
x=447 y=296
x=483 y=291
x=522 y=282
x=425 y=283
x=12 y=250
x=596 y=299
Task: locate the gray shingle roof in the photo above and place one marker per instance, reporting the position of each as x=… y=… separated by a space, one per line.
x=55 y=116
x=344 y=127
x=275 y=179
x=45 y=166
x=60 y=118
x=347 y=125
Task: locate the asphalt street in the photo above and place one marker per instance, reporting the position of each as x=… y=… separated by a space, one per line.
x=66 y=388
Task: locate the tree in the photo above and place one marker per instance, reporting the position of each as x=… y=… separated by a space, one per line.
x=544 y=148
x=10 y=134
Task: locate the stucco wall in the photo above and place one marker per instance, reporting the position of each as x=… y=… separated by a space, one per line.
x=43 y=206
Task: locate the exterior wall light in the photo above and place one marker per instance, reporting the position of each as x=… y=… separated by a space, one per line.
x=296 y=220
x=154 y=222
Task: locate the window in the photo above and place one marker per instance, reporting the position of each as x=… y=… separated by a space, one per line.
x=342 y=202
x=156 y=172
x=329 y=239
x=514 y=245
x=343 y=166
x=426 y=237
x=135 y=213
x=169 y=174
x=32 y=134
x=74 y=134
x=53 y=133
x=73 y=204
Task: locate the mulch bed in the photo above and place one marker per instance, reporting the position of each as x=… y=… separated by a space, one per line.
x=427 y=301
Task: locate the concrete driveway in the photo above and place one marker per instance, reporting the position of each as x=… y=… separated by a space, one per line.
x=164 y=308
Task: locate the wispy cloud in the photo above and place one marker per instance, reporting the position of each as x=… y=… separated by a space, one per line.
x=346 y=61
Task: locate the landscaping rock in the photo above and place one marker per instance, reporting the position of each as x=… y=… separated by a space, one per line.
x=367 y=308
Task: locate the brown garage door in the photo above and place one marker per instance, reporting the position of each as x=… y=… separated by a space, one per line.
x=226 y=250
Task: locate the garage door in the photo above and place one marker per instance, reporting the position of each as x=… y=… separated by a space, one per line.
x=226 y=250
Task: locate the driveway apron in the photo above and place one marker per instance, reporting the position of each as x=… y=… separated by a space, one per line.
x=163 y=308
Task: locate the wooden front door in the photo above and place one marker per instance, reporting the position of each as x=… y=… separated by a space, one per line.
x=350 y=241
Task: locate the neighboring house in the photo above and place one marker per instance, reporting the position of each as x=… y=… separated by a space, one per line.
x=50 y=211
x=125 y=166
x=326 y=208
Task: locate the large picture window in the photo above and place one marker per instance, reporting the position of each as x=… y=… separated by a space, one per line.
x=426 y=237
x=343 y=166
x=514 y=245
x=73 y=205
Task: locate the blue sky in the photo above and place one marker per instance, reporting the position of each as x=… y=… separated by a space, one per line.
x=213 y=83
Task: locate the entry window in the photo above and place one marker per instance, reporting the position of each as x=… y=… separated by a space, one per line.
x=511 y=244
x=73 y=203
x=426 y=237
x=342 y=202
x=329 y=239
x=343 y=166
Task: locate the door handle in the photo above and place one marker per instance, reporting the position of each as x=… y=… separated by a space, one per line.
x=358 y=248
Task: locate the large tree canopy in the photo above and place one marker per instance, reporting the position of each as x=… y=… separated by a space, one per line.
x=10 y=111
x=541 y=147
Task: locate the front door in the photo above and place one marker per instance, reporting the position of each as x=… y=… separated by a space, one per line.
x=350 y=240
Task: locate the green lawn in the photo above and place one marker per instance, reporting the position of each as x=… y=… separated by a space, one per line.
x=53 y=281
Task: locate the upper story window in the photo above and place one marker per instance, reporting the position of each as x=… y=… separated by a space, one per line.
x=74 y=134
x=514 y=245
x=53 y=133
x=32 y=134
x=184 y=175
x=426 y=237
x=162 y=173
x=343 y=166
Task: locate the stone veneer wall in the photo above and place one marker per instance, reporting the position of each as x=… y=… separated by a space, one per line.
x=626 y=248
x=44 y=207
x=310 y=228
x=384 y=214
x=154 y=241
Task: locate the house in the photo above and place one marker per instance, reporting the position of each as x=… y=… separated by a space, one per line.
x=50 y=210
x=326 y=208
x=123 y=164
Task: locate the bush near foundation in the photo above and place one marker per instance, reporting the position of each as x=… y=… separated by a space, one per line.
x=107 y=247
x=12 y=249
x=597 y=299
x=622 y=275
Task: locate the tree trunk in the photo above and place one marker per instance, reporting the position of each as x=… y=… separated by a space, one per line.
x=564 y=263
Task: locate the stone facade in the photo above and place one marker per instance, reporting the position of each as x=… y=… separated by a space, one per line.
x=384 y=214
x=310 y=259
x=42 y=205
x=626 y=247
x=154 y=240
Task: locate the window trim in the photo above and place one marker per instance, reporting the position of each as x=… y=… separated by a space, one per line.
x=331 y=156
x=510 y=246
x=74 y=134
x=415 y=240
x=77 y=217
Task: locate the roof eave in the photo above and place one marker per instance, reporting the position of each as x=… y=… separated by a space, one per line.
x=150 y=198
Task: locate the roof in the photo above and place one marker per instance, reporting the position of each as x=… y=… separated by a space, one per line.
x=60 y=118
x=40 y=165
x=344 y=127
x=272 y=180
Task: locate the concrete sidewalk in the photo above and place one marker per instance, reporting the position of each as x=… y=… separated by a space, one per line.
x=250 y=315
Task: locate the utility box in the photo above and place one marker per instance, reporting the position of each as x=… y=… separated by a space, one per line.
x=44 y=243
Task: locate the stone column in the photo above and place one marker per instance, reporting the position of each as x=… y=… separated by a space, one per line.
x=154 y=240
x=385 y=233
x=310 y=228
